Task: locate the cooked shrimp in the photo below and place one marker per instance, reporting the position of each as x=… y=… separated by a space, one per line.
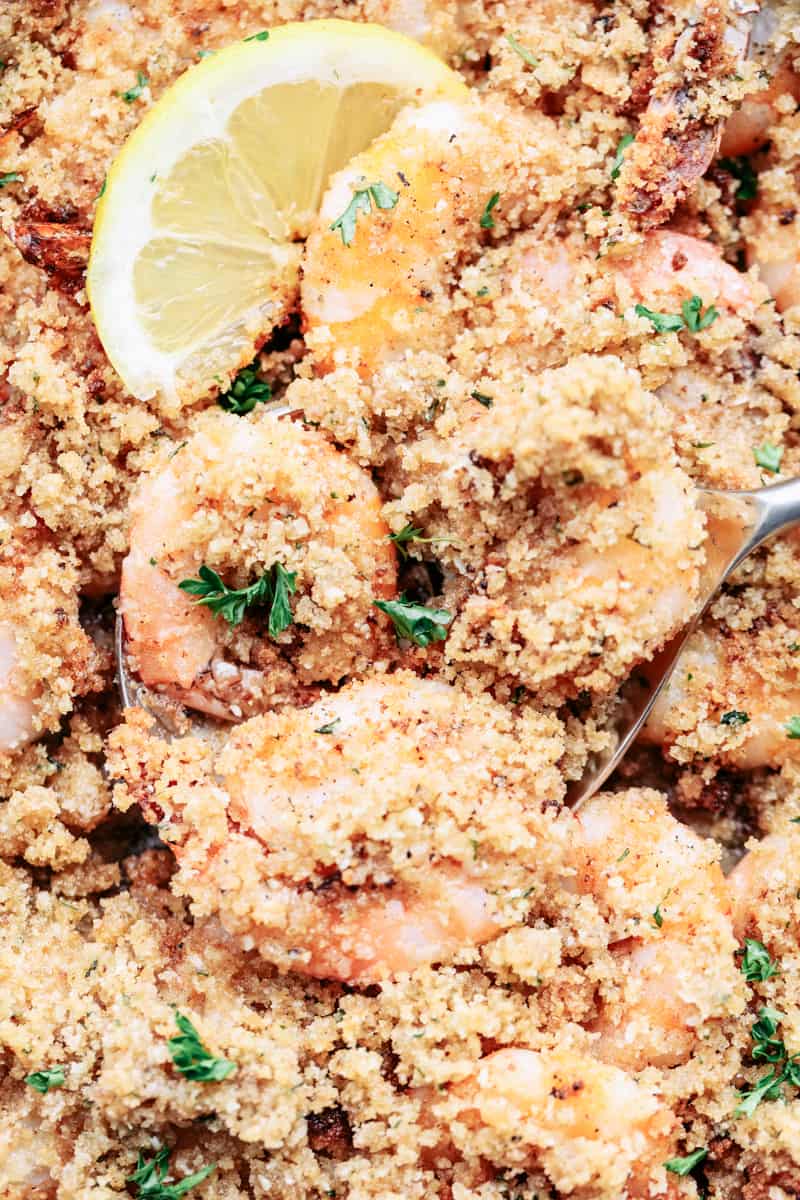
x=573 y=538
x=381 y=291
x=763 y=888
x=590 y=1126
x=680 y=130
x=748 y=129
x=663 y=893
x=732 y=699
x=239 y=497
x=46 y=658
x=393 y=824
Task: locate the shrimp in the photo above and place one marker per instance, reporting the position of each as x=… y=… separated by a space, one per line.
x=393 y=824
x=380 y=291
x=732 y=699
x=46 y=658
x=680 y=130
x=573 y=538
x=588 y=1124
x=763 y=889
x=240 y=496
x=664 y=895
x=748 y=129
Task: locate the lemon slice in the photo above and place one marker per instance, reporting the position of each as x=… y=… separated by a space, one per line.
x=197 y=236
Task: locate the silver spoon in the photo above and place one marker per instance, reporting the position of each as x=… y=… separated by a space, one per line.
x=738 y=523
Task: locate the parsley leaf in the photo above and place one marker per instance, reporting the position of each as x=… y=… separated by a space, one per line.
x=619 y=156
x=519 y=49
x=683 y=1166
x=734 y=718
x=135 y=92
x=192 y=1058
x=742 y=169
x=43 y=1081
x=768 y=457
x=756 y=964
x=410 y=533
x=487 y=220
x=420 y=624
x=10 y=177
x=273 y=588
x=792 y=728
x=697 y=320
x=767 y=1088
x=482 y=398
x=150 y=1176
x=329 y=728
x=768 y=1048
x=661 y=322
x=246 y=391
x=363 y=198
x=258 y=37
x=658 y=918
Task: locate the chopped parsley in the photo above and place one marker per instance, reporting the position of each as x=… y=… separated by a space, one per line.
x=329 y=728
x=792 y=728
x=658 y=917
x=420 y=624
x=409 y=534
x=742 y=169
x=135 y=92
x=246 y=391
x=768 y=457
x=521 y=50
x=487 y=220
x=151 y=1174
x=734 y=718
x=363 y=198
x=10 y=177
x=768 y=1047
x=691 y=317
x=43 y=1081
x=258 y=37
x=486 y=401
x=192 y=1058
x=683 y=1166
x=619 y=156
x=756 y=964
x=273 y=589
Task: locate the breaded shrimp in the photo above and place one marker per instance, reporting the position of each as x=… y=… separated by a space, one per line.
x=347 y=840
x=732 y=699
x=573 y=538
x=46 y=658
x=662 y=890
x=239 y=497
x=763 y=889
x=587 y=1124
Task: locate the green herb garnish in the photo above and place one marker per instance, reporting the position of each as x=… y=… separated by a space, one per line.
x=768 y=1047
x=519 y=49
x=420 y=624
x=691 y=318
x=734 y=718
x=246 y=391
x=487 y=220
x=409 y=534
x=192 y=1058
x=363 y=198
x=258 y=37
x=683 y=1166
x=619 y=157
x=135 y=92
x=792 y=728
x=486 y=401
x=273 y=589
x=43 y=1081
x=768 y=457
x=150 y=1178
x=756 y=964
x=10 y=177
x=329 y=728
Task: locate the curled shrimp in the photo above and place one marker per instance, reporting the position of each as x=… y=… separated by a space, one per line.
x=680 y=130
x=732 y=699
x=763 y=889
x=664 y=896
x=46 y=658
x=238 y=498
x=573 y=538
x=748 y=129
x=589 y=1125
x=393 y=824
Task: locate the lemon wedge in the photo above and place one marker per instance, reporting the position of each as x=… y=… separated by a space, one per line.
x=197 y=236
